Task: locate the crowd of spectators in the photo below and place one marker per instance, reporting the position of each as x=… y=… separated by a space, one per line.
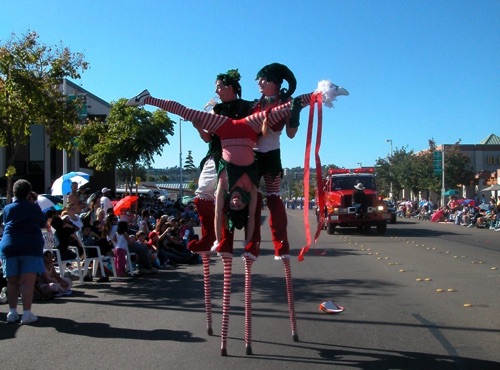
x=156 y=232
x=480 y=213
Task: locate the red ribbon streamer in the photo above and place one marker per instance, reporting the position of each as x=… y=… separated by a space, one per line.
x=316 y=98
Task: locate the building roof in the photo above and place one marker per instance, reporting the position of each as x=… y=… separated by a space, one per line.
x=492 y=139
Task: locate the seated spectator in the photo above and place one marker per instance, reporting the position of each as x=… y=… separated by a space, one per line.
x=474 y=214
x=42 y=291
x=144 y=222
x=153 y=251
x=186 y=231
x=467 y=214
x=70 y=210
x=126 y=215
x=162 y=256
x=453 y=204
x=495 y=220
x=90 y=238
x=58 y=285
x=140 y=242
x=170 y=247
x=65 y=233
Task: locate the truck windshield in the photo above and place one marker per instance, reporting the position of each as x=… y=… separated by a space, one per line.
x=347 y=183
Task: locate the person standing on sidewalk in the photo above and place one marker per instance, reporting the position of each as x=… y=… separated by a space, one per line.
x=21 y=250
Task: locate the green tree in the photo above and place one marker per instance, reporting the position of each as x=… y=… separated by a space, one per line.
x=31 y=76
x=415 y=171
x=189 y=165
x=130 y=137
x=396 y=170
x=458 y=168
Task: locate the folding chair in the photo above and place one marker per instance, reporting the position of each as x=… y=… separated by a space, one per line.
x=97 y=261
x=129 y=262
x=62 y=263
x=129 y=268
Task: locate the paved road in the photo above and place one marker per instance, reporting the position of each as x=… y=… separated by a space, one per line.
x=394 y=319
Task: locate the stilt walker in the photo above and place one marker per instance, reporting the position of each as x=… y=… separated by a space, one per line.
x=267 y=149
x=228 y=88
x=237 y=135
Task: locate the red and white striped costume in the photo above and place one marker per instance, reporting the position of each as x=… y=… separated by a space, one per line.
x=238 y=137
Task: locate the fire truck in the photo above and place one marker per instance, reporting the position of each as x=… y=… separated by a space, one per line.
x=338 y=209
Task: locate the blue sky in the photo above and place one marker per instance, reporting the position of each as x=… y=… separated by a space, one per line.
x=415 y=70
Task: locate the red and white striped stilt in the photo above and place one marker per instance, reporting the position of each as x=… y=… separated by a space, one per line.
x=227 y=262
x=205 y=257
x=291 y=300
x=248 y=304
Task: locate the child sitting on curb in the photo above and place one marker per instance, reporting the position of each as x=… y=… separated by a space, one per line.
x=50 y=278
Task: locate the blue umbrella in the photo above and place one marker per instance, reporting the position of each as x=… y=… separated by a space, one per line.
x=62 y=185
x=451 y=192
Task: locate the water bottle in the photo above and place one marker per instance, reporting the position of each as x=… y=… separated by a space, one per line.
x=211 y=103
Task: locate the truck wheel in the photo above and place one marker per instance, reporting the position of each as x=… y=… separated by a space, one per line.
x=330 y=228
x=381 y=228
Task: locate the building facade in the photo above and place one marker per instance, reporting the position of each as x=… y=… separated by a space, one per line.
x=42 y=165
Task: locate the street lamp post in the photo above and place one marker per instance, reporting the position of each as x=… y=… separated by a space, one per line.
x=390 y=189
x=360 y=165
x=180 y=159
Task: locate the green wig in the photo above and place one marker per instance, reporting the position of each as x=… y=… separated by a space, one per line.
x=231 y=77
